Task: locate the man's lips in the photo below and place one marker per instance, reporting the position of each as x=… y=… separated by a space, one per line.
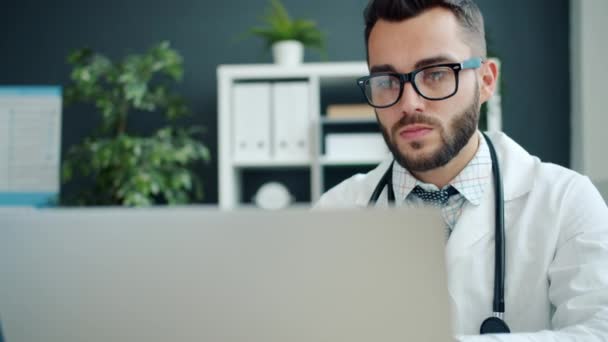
x=412 y=132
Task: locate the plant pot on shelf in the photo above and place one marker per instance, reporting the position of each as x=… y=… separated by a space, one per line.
x=288 y=52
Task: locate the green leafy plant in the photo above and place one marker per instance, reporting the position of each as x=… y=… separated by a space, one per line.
x=280 y=26
x=124 y=168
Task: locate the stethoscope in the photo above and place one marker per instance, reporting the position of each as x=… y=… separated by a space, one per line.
x=496 y=323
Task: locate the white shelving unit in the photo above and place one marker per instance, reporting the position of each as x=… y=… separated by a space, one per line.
x=316 y=75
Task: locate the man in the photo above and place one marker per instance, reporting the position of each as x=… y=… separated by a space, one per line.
x=428 y=78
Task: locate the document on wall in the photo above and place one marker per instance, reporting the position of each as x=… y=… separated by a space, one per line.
x=30 y=145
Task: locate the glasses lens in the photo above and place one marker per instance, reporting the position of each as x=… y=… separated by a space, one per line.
x=436 y=83
x=382 y=90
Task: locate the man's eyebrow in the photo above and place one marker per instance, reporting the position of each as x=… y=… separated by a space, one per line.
x=433 y=60
x=441 y=59
x=382 y=68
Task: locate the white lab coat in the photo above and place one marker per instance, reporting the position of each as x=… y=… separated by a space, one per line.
x=556 y=286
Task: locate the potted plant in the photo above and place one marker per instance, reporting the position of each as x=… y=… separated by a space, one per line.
x=121 y=167
x=286 y=37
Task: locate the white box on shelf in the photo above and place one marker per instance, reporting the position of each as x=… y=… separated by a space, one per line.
x=251 y=121
x=291 y=121
x=353 y=146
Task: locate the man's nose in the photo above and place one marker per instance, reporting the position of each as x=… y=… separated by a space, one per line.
x=410 y=101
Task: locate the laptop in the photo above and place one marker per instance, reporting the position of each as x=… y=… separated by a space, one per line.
x=197 y=274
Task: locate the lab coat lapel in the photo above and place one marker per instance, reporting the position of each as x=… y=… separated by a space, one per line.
x=474 y=223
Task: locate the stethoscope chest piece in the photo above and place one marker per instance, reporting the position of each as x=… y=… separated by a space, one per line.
x=494 y=325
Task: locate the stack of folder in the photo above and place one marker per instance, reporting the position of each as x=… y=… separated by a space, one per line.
x=271 y=121
x=350 y=111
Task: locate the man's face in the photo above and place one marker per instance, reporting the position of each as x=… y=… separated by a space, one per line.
x=424 y=134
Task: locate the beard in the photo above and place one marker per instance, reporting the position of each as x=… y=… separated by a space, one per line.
x=459 y=131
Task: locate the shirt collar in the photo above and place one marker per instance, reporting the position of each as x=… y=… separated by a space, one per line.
x=470 y=182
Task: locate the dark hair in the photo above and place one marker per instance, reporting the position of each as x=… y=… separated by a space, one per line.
x=466 y=11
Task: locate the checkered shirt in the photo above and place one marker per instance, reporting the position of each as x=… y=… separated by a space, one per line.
x=470 y=183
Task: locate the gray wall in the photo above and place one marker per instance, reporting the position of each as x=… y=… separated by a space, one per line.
x=530 y=37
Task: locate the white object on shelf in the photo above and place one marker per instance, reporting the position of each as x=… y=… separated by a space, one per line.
x=342 y=121
x=273 y=196
x=353 y=146
x=288 y=52
x=291 y=121
x=251 y=139
x=328 y=161
x=261 y=164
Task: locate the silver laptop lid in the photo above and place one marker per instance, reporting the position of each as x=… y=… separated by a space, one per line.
x=201 y=275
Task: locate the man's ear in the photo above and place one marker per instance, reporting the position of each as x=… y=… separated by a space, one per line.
x=489 y=77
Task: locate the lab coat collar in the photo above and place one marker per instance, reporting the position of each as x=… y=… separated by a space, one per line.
x=371 y=181
x=516 y=168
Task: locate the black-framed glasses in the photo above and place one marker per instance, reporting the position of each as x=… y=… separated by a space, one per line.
x=435 y=83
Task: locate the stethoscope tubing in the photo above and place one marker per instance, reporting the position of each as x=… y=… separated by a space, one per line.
x=499 y=239
x=498 y=304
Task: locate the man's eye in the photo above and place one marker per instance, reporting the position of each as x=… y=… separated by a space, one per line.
x=386 y=83
x=435 y=76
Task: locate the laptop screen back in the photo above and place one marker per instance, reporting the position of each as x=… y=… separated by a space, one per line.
x=202 y=275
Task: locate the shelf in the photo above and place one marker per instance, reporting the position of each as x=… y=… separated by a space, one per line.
x=305 y=70
x=257 y=164
x=348 y=121
x=333 y=161
x=241 y=176
x=291 y=206
x=308 y=174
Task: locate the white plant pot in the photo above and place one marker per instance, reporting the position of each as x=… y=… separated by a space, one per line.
x=288 y=52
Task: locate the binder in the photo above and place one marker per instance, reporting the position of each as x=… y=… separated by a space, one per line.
x=291 y=121
x=251 y=122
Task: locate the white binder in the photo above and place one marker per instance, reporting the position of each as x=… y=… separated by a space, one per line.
x=291 y=122
x=251 y=122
